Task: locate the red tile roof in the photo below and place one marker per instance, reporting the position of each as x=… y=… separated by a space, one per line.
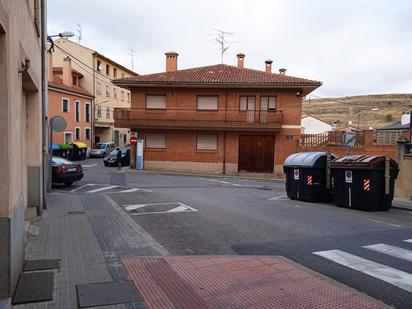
x=58 y=83
x=219 y=75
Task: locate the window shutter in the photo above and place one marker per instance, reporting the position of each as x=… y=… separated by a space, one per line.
x=156 y=101
x=243 y=103
x=272 y=102
x=155 y=140
x=207 y=102
x=207 y=141
x=263 y=103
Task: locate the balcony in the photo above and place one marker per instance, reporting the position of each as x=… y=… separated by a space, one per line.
x=188 y=119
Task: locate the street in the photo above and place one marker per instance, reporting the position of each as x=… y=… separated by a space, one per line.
x=196 y=215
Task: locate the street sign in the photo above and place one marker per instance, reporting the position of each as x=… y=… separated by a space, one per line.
x=139 y=154
x=348 y=176
x=133 y=140
x=58 y=123
x=296 y=174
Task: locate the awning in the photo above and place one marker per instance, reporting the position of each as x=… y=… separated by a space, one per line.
x=80 y=144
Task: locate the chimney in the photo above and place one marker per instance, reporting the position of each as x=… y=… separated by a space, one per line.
x=405 y=118
x=240 y=60
x=171 y=61
x=282 y=71
x=268 y=65
x=50 y=67
x=67 y=72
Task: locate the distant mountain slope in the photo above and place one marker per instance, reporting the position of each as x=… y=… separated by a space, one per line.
x=337 y=110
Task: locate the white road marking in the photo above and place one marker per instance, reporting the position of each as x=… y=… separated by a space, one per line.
x=84 y=186
x=408 y=240
x=89 y=165
x=180 y=208
x=102 y=189
x=392 y=251
x=386 y=223
x=134 y=190
x=224 y=182
x=388 y=274
x=278 y=197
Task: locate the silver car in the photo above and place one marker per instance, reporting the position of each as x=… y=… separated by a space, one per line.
x=102 y=149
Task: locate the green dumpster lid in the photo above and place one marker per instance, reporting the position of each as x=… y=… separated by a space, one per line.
x=307 y=159
x=65 y=146
x=362 y=162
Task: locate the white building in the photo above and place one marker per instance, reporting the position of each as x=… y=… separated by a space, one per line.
x=312 y=125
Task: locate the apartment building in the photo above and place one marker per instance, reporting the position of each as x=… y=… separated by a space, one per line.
x=21 y=157
x=215 y=119
x=68 y=99
x=98 y=72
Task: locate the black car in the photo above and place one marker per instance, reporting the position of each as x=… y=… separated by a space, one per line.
x=64 y=171
x=111 y=159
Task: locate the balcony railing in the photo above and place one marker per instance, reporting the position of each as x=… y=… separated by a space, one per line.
x=199 y=119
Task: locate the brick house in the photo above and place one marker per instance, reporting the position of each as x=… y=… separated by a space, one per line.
x=68 y=99
x=215 y=119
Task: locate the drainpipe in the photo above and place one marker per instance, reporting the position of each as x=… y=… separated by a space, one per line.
x=44 y=83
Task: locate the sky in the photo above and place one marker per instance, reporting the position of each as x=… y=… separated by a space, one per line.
x=355 y=47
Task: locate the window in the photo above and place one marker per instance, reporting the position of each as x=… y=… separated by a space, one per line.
x=99 y=111
x=124 y=138
x=128 y=97
x=122 y=95
x=68 y=137
x=65 y=105
x=268 y=103
x=107 y=112
x=87 y=133
x=156 y=101
x=99 y=66
x=207 y=102
x=114 y=73
x=99 y=88
x=206 y=142
x=247 y=103
x=77 y=110
x=75 y=79
x=156 y=140
x=115 y=93
x=122 y=75
x=87 y=112
x=107 y=91
x=77 y=134
x=107 y=70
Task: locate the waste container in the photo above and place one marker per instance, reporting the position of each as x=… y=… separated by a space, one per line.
x=364 y=182
x=66 y=151
x=306 y=176
x=79 y=151
x=55 y=149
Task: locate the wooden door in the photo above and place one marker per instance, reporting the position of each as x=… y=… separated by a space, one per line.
x=256 y=154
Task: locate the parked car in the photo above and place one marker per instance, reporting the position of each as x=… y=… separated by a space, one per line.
x=64 y=171
x=102 y=149
x=111 y=159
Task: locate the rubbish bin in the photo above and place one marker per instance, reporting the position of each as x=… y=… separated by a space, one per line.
x=55 y=149
x=364 y=182
x=66 y=151
x=79 y=151
x=306 y=176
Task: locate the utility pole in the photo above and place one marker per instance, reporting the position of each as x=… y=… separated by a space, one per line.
x=132 y=53
x=79 y=33
x=220 y=39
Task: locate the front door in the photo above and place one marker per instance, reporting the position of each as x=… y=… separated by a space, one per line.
x=256 y=154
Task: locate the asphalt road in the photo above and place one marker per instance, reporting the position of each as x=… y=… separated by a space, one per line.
x=194 y=215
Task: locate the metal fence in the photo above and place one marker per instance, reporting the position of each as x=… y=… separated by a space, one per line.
x=332 y=138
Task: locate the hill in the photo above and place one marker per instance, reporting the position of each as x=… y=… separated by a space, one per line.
x=339 y=110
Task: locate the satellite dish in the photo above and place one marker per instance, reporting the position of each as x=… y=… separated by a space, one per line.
x=58 y=123
x=100 y=67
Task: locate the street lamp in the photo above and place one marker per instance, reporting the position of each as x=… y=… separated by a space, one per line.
x=64 y=34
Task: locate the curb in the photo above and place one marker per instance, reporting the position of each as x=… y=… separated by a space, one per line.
x=406 y=208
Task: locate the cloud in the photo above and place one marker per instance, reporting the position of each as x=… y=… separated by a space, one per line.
x=353 y=46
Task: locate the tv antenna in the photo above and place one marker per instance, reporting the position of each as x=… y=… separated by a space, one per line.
x=132 y=55
x=220 y=39
x=79 y=33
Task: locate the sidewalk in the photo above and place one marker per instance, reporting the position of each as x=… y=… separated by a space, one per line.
x=402 y=204
x=97 y=242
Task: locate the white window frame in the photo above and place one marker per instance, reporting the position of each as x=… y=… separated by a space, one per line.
x=85 y=112
x=147 y=140
x=99 y=111
x=64 y=136
x=148 y=96
x=199 y=108
x=107 y=90
x=99 y=88
x=90 y=133
x=206 y=148
x=68 y=105
x=77 y=110
x=75 y=133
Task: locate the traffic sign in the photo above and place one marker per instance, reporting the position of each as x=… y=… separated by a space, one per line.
x=133 y=140
x=348 y=176
x=296 y=174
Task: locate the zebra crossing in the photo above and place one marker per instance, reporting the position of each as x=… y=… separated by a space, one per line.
x=376 y=270
x=105 y=188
